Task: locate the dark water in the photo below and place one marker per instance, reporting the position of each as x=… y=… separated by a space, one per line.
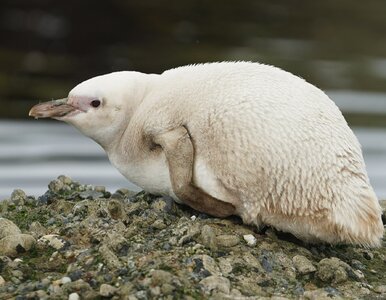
x=48 y=46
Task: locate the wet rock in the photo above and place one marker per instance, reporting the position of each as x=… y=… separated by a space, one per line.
x=322 y=294
x=7 y=228
x=52 y=240
x=159 y=224
x=332 y=270
x=159 y=277
x=18 y=197
x=15 y=244
x=65 y=280
x=74 y=296
x=227 y=240
x=381 y=289
x=37 y=230
x=93 y=195
x=100 y=188
x=250 y=239
x=111 y=260
x=210 y=265
x=107 y=290
x=208 y=237
x=225 y=265
x=116 y=209
x=303 y=264
x=218 y=283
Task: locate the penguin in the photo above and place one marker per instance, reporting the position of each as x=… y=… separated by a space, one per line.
x=232 y=138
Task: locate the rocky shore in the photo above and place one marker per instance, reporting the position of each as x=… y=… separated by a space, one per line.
x=82 y=242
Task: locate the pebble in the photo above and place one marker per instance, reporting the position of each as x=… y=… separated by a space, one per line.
x=210 y=265
x=110 y=258
x=100 y=188
x=8 y=228
x=73 y=296
x=37 y=230
x=303 y=264
x=227 y=240
x=250 y=239
x=208 y=237
x=159 y=277
x=381 y=289
x=65 y=280
x=107 y=290
x=18 y=197
x=219 y=283
x=16 y=244
x=52 y=240
x=332 y=270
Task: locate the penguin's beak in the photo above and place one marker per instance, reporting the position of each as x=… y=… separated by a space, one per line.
x=51 y=109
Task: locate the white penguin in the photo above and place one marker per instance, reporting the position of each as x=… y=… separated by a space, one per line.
x=233 y=138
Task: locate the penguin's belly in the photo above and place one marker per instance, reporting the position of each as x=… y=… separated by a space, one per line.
x=153 y=176
x=150 y=175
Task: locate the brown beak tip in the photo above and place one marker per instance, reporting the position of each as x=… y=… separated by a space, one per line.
x=51 y=109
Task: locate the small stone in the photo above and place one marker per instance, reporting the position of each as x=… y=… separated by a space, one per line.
x=75 y=275
x=2 y=280
x=318 y=294
x=210 y=265
x=73 y=296
x=112 y=261
x=381 y=289
x=218 y=283
x=155 y=291
x=359 y=274
x=159 y=277
x=65 y=179
x=15 y=244
x=100 y=188
x=8 y=228
x=225 y=265
x=227 y=240
x=208 y=237
x=167 y=289
x=368 y=254
x=37 y=229
x=159 y=224
x=18 y=197
x=303 y=264
x=116 y=209
x=56 y=186
x=332 y=270
x=65 y=280
x=52 y=240
x=90 y=194
x=107 y=290
x=193 y=218
x=250 y=239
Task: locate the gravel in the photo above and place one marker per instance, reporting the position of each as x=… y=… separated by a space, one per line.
x=82 y=242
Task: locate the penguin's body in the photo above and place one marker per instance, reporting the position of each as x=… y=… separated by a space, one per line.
x=264 y=143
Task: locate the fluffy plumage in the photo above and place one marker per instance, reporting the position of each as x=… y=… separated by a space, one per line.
x=268 y=142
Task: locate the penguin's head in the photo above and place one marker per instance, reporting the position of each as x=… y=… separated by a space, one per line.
x=100 y=107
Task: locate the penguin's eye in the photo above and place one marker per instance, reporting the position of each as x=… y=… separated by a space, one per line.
x=95 y=103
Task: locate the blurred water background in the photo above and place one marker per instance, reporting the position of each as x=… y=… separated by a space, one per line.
x=46 y=47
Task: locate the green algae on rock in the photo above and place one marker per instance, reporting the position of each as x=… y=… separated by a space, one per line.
x=93 y=244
